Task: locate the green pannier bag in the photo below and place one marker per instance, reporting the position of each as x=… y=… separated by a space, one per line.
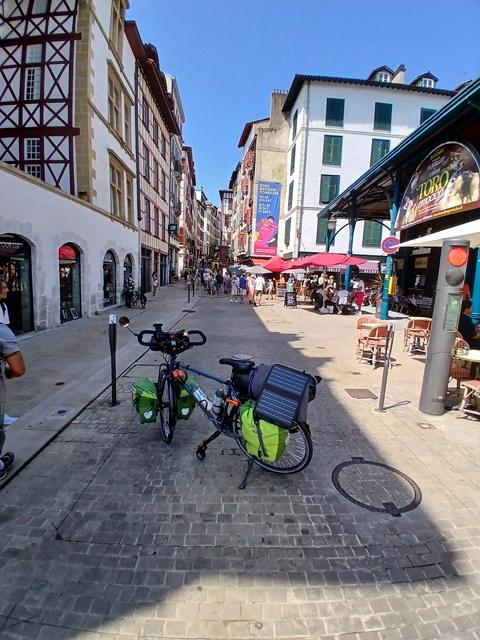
x=145 y=400
x=185 y=402
x=263 y=439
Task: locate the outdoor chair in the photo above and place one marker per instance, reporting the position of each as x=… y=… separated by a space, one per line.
x=370 y=347
x=460 y=370
x=471 y=395
x=361 y=330
x=417 y=334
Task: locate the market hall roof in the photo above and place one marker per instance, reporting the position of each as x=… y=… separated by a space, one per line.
x=299 y=79
x=459 y=118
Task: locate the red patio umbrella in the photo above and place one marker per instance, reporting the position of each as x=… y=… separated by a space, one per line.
x=276 y=264
x=324 y=259
x=352 y=261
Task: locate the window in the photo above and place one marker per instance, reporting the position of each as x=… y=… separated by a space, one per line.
x=163 y=186
x=372 y=233
x=164 y=225
x=427 y=82
x=39 y=6
x=155 y=174
x=288 y=226
x=294 y=124
x=32 y=84
x=426 y=113
x=163 y=149
x=335 y=112
x=383 y=76
x=146 y=163
x=145 y=113
x=329 y=188
x=292 y=159
x=380 y=148
x=32 y=149
x=290 y=195
x=332 y=150
x=155 y=131
x=116 y=25
x=130 y=199
x=114 y=104
x=116 y=190
x=34 y=170
x=322 y=230
x=383 y=116
x=156 y=222
x=34 y=54
x=127 y=123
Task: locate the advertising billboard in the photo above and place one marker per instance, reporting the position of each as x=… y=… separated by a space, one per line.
x=447 y=181
x=266 y=229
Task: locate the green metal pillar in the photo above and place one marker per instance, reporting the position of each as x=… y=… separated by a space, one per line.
x=352 y=221
x=394 y=203
x=476 y=289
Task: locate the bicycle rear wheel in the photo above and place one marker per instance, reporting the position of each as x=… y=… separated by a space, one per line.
x=296 y=457
x=167 y=406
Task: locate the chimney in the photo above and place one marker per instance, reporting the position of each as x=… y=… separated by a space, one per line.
x=399 y=75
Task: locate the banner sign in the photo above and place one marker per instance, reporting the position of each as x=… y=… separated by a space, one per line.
x=268 y=208
x=446 y=182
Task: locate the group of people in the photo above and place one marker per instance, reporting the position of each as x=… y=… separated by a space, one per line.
x=328 y=297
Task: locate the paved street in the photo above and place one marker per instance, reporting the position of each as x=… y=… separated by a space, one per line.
x=109 y=534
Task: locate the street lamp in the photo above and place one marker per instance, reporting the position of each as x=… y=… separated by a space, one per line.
x=331 y=228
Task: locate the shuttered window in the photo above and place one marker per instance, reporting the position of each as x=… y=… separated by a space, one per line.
x=383 y=116
x=329 y=188
x=380 y=148
x=335 y=112
x=332 y=150
x=294 y=124
x=425 y=114
x=290 y=195
x=288 y=225
x=292 y=159
x=372 y=234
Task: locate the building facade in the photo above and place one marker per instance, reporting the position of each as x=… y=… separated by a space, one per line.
x=155 y=126
x=226 y=209
x=67 y=148
x=187 y=216
x=338 y=128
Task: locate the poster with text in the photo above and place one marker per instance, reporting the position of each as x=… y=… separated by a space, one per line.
x=266 y=229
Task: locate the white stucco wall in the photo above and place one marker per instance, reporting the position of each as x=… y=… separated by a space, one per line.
x=48 y=218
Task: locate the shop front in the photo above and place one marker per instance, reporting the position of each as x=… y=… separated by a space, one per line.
x=146 y=269
x=109 y=279
x=16 y=270
x=69 y=277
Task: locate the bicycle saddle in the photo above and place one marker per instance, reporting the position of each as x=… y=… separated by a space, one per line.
x=238 y=366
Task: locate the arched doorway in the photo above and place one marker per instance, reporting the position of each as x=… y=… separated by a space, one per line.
x=69 y=275
x=109 y=279
x=16 y=269
x=127 y=268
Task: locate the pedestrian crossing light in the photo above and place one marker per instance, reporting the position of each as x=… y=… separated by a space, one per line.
x=457 y=259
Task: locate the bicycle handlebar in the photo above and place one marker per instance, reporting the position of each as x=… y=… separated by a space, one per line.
x=196 y=332
x=161 y=339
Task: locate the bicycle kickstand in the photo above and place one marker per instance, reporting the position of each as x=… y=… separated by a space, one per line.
x=243 y=484
x=202 y=447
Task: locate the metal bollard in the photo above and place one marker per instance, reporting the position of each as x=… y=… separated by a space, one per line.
x=188 y=292
x=386 y=366
x=193 y=287
x=112 y=335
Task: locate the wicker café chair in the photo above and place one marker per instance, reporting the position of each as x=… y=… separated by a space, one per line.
x=460 y=371
x=373 y=343
x=417 y=334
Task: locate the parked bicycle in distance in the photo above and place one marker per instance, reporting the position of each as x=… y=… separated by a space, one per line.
x=288 y=450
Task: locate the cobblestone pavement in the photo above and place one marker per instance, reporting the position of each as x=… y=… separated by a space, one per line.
x=111 y=535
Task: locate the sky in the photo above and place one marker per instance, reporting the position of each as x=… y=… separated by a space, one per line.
x=228 y=56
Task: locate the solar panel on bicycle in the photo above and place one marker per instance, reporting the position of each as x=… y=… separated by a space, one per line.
x=282 y=395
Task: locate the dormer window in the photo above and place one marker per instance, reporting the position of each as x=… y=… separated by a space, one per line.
x=383 y=76
x=427 y=82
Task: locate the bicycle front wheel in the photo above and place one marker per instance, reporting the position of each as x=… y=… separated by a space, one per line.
x=296 y=457
x=167 y=407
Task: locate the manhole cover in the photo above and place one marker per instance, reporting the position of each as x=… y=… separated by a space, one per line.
x=425 y=425
x=361 y=394
x=376 y=486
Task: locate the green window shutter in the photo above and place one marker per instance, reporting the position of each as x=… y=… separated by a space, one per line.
x=335 y=112
x=290 y=195
x=288 y=225
x=292 y=159
x=425 y=114
x=332 y=150
x=372 y=234
x=321 y=231
x=380 y=148
x=329 y=188
x=383 y=116
x=294 y=124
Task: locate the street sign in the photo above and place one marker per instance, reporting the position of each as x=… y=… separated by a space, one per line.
x=172 y=228
x=390 y=245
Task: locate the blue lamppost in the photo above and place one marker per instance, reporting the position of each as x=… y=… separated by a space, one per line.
x=331 y=228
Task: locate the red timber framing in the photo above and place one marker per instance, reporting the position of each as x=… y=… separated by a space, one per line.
x=36 y=88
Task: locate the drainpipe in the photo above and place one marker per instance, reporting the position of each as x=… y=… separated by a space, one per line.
x=300 y=220
x=389 y=262
x=137 y=166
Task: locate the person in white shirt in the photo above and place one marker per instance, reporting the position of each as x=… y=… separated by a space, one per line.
x=359 y=288
x=259 y=286
x=4 y=317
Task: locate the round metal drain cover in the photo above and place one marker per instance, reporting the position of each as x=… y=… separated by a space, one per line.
x=376 y=486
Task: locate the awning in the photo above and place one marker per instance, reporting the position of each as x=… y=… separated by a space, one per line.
x=468 y=231
x=371 y=266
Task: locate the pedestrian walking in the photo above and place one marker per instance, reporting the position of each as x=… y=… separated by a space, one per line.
x=234 y=288
x=218 y=282
x=270 y=288
x=226 y=283
x=251 y=289
x=129 y=291
x=242 y=287
x=154 y=283
x=11 y=366
x=259 y=287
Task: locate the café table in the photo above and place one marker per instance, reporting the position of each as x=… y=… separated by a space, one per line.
x=473 y=356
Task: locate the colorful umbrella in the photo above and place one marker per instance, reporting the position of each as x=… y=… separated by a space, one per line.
x=276 y=264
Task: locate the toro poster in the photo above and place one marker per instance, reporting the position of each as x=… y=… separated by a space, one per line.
x=266 y=229
x=447 y=181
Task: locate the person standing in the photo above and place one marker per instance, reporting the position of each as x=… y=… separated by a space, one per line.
x=259 y=287
x=11 y=366
x=129 y=291
x=226 y=283
x=271 y=286
x=358 y=286
x=234 y=286
x=4 y=317
x=154 y=283
x=242 y=287
x=251 y=289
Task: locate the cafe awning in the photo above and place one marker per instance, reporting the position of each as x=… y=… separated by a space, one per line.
x=468 y=231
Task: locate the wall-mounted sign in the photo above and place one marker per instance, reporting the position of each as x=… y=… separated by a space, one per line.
x=172 y=228
x=266 y=229
x=446 y=182
x=421 y=263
